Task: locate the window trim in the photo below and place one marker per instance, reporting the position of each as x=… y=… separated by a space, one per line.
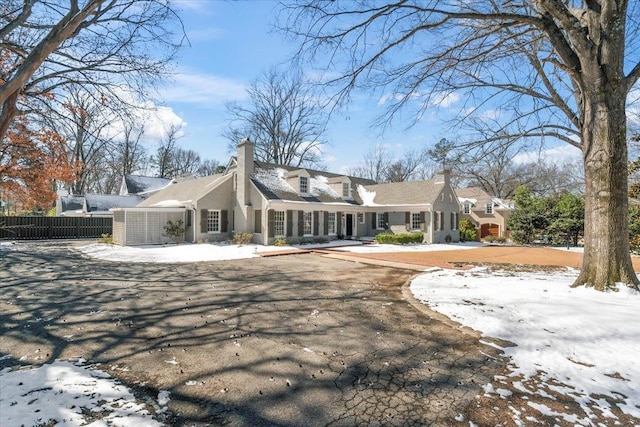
x=466 y=208
x=310 y=223
x=380 y=218
x=306 y=184
x=488 y=208
x=413 y=220
x=330 y=223
x=284 y=224
x=361 y=218
x=210 y=221
x=346 y=188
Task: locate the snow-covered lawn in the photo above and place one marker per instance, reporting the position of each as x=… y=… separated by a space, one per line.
x=70 y=394
x=187 y=252
x=577 y=342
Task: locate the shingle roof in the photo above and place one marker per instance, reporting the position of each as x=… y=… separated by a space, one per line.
x=269 y=180
x=183 y=193
x=405 y=193
x=104 y=202
x=138 y=184
x=479 y=197
x=71 y=203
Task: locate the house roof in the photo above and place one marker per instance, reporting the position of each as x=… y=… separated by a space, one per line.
x=104 y=202
x=270 y=180
x=138 y=184
x=478 y=197
x=71 y=203
x=402 y=193
x=183 y=193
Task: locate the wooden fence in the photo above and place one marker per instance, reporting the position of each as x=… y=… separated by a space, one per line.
x=41 y=228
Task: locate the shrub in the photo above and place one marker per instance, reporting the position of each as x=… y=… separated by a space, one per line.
x=320 y=240
x=399 y=239
x=242 y=238
x=490 y=238
x=447 y=238
x=281 y=241
x=501 y=239
x=106 y=238
x=467 y=231
x=175 y=230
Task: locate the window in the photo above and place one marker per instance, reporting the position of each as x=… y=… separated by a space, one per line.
x=331 y=223
x=380 y=225
x=346 y=189
x=467 y=208
x=454 y=220
x=213 y=222
x=307 y=223
x=361 y=217
x=304 y=184
x=488 y=208
x=438 y=221
x=278 y=223
x=415 y=221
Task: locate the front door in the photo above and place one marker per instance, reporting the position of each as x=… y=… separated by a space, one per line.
x=349 y=225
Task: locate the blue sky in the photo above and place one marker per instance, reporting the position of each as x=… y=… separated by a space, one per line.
x=231 y=44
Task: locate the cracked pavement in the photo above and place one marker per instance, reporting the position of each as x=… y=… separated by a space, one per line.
x=290 y=340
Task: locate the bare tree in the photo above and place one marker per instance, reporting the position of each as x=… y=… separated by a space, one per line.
x=88 y=127
x=164 y=160
x=129 y=153
x=374 y=165
x=556 y=69
x=283 y=118
x=380 y=165
x=210 y=167
x=47 y=45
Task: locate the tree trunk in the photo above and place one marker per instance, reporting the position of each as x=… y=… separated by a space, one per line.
x=607 y=258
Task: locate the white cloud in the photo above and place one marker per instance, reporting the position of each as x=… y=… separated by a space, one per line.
x=158 y=120
x=561 y=154
x=444 y=99
x=204 y=89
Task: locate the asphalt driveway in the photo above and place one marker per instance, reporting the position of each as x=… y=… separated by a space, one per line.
x=292 y=340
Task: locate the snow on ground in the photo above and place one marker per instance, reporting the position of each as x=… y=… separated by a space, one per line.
x=587 y=341
x=188 y=252
x=7 y=246
x=68 y=393
x=377 y=248
x=572 y=341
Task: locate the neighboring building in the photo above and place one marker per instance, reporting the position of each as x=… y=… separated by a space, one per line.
x=100 y=204
x=142 y=186
x=69 y=205
x=489 y=214
x=133 y=190
x=273 y=201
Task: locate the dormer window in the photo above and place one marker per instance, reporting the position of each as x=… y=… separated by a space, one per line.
x=488 y=208
x=467 y=208
x=304 y=185
x=346 y=189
